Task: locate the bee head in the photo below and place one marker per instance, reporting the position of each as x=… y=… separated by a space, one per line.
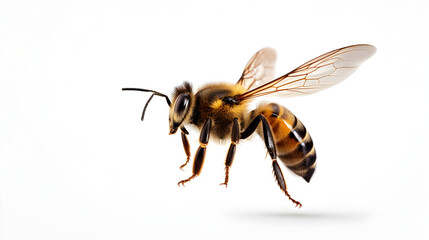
x=180 y=109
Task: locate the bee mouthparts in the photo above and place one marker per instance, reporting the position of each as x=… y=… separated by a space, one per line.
x=172 y=131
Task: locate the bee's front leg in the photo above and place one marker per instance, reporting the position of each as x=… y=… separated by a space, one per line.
x=201 y=152
x=185 y=146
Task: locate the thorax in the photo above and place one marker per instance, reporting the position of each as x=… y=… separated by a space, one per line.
x=209 y=104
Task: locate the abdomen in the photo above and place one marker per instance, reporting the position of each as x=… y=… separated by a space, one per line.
x=294 y=145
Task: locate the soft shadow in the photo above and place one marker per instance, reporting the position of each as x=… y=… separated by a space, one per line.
x=334 y=216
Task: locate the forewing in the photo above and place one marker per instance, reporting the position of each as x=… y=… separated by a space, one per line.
x=259 y=70
x=317 y=74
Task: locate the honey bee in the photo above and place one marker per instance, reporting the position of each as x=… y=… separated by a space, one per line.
x=220 y=110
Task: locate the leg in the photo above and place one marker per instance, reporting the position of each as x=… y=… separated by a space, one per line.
x=268 y=135
x=281 y=182
x=185 y=146
x=235 y=136
x=271 y=147
x=201 y=152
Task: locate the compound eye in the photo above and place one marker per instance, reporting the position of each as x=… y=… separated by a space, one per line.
x=182 y=103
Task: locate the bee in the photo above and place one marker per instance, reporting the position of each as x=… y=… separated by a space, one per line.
x=220 y=110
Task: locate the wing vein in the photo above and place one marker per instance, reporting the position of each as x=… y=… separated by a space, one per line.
x=315 y=75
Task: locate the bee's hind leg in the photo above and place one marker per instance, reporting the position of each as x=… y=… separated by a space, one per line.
x=235 y=136
x=281 y=182
x=271 y=147
x=186 y=146
x=201 y=152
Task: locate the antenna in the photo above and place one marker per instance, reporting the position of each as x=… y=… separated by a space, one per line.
x=154 y=93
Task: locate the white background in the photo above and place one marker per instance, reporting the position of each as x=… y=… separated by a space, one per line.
x=76 y=162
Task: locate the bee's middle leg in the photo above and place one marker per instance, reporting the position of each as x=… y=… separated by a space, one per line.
x=201 y=152
x=235 y=137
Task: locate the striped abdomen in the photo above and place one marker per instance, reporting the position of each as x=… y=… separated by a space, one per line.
x=294 y=145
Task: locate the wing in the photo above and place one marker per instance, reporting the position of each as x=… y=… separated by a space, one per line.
x=259 y=70
x=317 y=74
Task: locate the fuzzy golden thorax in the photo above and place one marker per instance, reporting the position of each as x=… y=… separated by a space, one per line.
x=209 y=103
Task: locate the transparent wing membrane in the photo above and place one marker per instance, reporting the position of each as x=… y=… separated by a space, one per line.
x=259 y=70
x=315 y=75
